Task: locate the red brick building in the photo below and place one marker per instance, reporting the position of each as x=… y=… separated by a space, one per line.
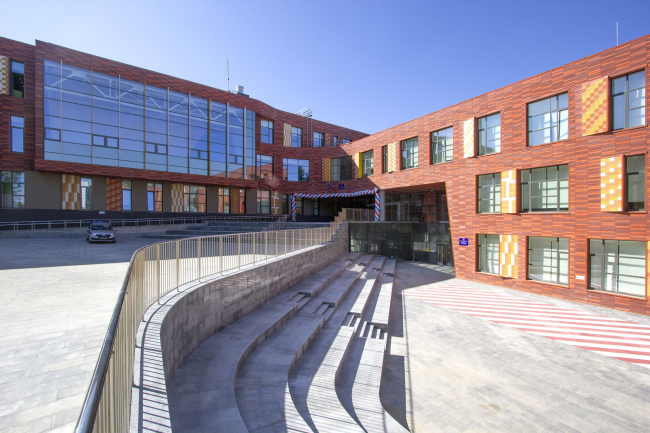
x=545 y=180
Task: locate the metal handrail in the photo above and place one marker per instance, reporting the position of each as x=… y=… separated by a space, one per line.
x=156 y=270
x=133 y=222
x=278 y=224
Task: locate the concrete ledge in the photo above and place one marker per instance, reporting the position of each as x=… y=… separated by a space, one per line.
x=80 y=232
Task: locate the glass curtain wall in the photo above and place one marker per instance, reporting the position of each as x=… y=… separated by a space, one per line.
x=94 y=118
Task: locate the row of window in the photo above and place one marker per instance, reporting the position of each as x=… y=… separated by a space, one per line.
x=264 y=204
x=614 y=266
x=546 y=189
x=266 y=136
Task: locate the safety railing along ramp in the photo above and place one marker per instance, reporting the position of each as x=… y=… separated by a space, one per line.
x=365 y=389
x=313 y=384
x=263 y=378
x=202 y=395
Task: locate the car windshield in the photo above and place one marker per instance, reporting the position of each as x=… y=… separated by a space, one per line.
x=100 y=226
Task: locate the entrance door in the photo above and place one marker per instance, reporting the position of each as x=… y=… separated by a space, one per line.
x=445 y=255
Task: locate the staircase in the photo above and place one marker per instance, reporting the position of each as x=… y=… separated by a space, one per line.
x=225 y=227
x=309 y=360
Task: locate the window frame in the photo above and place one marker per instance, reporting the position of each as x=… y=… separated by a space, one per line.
x=520 y=191
x=605 y=263
x=222 y=193
x=528 y=131
x=12 y=129
x=12 y=78
x=129 y=183
x=89 y=204
x=384 y=159
x=188 y=194
x=285 y=169
x=260 y=201
x=342 y=165
x=478 y=253
x=415 y=156
x=494 y=193
x=557 y=266
x=321 y=140
x=298 y=136
x=627 y=183
x=258 y=163
x=153 y=191
x=13 y=188
x=626 y=92
x=315 y=206
x=434 y=146
x=364 y=163
x=271 y=129
x=478 y=133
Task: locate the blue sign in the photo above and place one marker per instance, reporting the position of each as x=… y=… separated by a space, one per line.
x=341 y=186
x=463 y=242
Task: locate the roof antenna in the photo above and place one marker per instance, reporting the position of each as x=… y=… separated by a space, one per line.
x=617 y=33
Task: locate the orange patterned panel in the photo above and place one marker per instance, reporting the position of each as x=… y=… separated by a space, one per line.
x=234 y=200
x=287 y=135
x=595 y=107
x=4 y=75
x=611 y=184
x=392 y=157
x=71 y=192
x=113 y=194
x=325 y=175
x=509 y=191
x=177 y=197
x=468 y=138
x=356 y=167
x=508 y=249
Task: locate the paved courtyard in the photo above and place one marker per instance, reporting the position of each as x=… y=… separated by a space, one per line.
x=56 y=299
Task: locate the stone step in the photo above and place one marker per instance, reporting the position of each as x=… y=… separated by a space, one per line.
x=263 y=379
x=382 y=307
x=372 y=272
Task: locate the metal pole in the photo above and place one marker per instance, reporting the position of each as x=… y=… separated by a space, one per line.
x=178 y=254
x=221 y=254
x=239 y=250
x=254 y=248
x=198 y=255
x=266 y=246
x=158 y=271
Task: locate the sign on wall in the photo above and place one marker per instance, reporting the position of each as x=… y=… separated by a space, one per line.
x=463 y=242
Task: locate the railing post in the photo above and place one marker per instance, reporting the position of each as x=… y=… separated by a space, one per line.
x=178 y=255
x=158 y=271
x=293 y=240
x=221 y=254
x=254 y=247
x=239 y=250
x=266 y=246
x=198 y=256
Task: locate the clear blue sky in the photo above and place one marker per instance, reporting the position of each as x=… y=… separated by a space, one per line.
x=367 y=65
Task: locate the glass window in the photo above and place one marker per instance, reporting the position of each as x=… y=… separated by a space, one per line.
x=315 y=206
x=296 y=170
x=488 y=254
x=628 y=101
x=319 y=139
x=545 y=189
x=548 y=120
x=409 y=153
x=635 y=182
x=17 y=134
x=126 y=195
x=384 y=159
x=548 y=259
x=489 y=193
x=13 y=189
x=341 y=168
x=367 y=163
x=264 y=202
x=17 y=79
x=335 y=141
x=224 y=200
x=264 y=167
x=296 y=136
x=266 y=131
x=344 y=141
x=86 y=193
x=489 y=134
x=298 y=205
x=194 y=198
x=617 y=266
x=442 y=145
x=154 y=197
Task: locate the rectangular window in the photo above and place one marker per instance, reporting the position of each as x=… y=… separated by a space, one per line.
x=296 y=136
x=617 y=266
x=488 y=254
x=548 y=120
x=224 y=200
x=242 y=200
x=489 y=134
x=264 y=202
x=126 y=195
x=319 y=139
x=442 y=145
x=409 y=153
x=635 y=182
x=154 y=196
x=100 y=140
x=194 y=198
x=298 y=205
x=548 y=259
x=367 y=163
x=17 y=134
x=86 y=193
x=266 y=131
x=489 y=193
x=384 y=159
x=628 y=101
x=264 y=167
x=341 y=168
x=315 y=206
x=545 y=189
x=296 y=170
x=17 y=79
x=13 y=189
x=335 y=141
x=344 y=141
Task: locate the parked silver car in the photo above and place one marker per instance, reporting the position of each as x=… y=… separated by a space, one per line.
x=100 y=231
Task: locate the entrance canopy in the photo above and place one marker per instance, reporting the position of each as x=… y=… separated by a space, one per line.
x=374 y=191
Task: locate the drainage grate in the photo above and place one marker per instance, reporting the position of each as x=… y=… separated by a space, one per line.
x=376 y=269
x=388 y=274
x=362 y=264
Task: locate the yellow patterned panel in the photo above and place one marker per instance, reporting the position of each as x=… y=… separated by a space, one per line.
x=392 y=157
x=287 y=135
x=177 y=197
x=276 y=203
x=325 y=175
x=611 y=184
x=509 y=191
x=595 y=107
x=4 y=75
x=71 y=192
x=234 y=200
x=468 y=138
x=356 y=167
x=508 y=249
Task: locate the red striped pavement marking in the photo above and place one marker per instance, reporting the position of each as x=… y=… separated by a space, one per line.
x=620 y=339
